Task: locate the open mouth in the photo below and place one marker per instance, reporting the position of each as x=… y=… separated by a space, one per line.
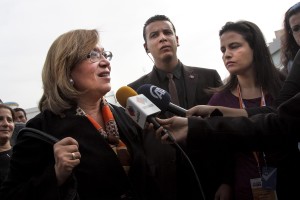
x=104 y=75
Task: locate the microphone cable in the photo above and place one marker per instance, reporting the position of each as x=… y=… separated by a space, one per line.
x=172 y=139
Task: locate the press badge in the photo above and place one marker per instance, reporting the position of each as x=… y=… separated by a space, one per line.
x=269 y=177
x=265 y=187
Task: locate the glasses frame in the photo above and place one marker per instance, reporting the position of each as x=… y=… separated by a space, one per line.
x=95 y=56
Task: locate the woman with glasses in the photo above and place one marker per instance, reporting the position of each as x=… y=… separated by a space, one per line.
x=290 y=40
x=98 y=154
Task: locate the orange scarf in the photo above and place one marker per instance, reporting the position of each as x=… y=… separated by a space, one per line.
x=110 y=133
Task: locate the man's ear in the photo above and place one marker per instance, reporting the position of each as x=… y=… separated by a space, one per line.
x=177 y=40
x=146 y=48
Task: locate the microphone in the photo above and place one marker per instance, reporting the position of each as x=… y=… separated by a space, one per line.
x=138 y=107
x=161 y=98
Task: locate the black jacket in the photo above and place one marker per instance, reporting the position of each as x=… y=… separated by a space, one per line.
x=99 y=174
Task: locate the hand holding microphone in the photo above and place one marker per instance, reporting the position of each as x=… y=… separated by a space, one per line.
x=177 y=126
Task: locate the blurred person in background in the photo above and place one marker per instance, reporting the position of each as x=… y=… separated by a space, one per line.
x=290 y=40
x=6 y=131
x=20 y=115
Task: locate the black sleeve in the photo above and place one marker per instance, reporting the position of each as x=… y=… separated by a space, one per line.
x=291 y=85
x=258 y=110
x=260 y=132
x=289 y=89
x=31 y=177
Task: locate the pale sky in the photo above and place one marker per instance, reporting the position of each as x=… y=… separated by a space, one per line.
x=28 y=28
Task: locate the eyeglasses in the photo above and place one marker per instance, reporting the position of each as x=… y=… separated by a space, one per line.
x=95 y=56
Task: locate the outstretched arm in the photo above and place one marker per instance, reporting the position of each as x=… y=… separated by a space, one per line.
x=259 y=132
x=208 y=111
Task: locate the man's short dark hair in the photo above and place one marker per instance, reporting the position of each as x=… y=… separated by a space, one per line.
x=154 y=19
x=20 y=109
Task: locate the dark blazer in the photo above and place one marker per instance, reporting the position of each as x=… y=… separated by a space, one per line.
x=99 y=174
x=171 y=170
x=196 y=80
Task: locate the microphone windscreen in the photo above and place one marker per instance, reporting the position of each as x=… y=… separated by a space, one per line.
x=123 y=94
x=156 y=95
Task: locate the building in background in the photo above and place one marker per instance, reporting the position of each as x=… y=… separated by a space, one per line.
x=31 y=112
x=274 y=48
x=12 y=104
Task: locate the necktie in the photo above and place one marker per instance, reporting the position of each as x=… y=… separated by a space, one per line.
x=172 y=89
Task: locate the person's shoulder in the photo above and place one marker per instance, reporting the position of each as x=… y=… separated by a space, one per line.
x=205 y=75
x=221 y=94
x=140 y=81
x=42 y=116
x=19 y=126
x=200 y=69
x=220 y=98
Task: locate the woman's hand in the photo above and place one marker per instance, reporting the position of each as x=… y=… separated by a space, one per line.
x=224 y=192
x=201 y=110
x=176 y=126
x=67 y=157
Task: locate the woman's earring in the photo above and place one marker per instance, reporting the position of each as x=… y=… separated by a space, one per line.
x=71 y=81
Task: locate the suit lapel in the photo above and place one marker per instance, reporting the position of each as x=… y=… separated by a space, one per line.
x=153 y=78
x=191 y=79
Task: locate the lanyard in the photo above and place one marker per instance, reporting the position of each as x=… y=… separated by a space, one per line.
x=242 y=106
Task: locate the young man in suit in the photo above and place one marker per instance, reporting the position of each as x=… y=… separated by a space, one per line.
x=169 y=167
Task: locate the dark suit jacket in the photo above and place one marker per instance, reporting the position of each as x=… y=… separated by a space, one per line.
x=171 y=170
x=99 y=174
x=196 y=80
